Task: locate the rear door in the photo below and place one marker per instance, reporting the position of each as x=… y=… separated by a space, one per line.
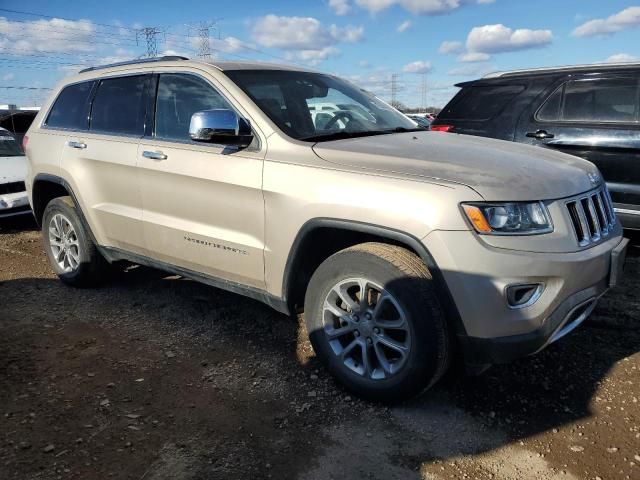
x=102 y=162
x=596 y=119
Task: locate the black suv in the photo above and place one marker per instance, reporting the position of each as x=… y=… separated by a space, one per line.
x=590 y=111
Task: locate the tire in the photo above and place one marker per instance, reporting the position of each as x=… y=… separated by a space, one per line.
x=409 y=319
x=82 y=264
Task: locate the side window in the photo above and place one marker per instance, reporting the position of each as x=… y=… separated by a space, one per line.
x=179 y=97
x=605 y=100
x=481 y=102
x=71 y=108
x=550 y=110
x=118 y=106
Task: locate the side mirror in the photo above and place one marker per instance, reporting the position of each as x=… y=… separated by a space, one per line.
x=220 y=126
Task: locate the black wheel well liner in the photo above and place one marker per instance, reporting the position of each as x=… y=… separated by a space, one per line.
x=306 y=254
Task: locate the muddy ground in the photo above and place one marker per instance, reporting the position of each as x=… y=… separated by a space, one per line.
x=157 y=377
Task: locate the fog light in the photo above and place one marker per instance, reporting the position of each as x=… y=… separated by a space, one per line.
x=524 y=294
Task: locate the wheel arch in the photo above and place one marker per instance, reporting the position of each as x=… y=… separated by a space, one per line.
x=320 y=238
x=45 y=188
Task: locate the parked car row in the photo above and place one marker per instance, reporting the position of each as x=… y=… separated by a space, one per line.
x=13 y=171
x=591 y=111
x=404 y=248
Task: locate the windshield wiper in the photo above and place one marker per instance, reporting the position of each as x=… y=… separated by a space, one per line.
x=342 y=135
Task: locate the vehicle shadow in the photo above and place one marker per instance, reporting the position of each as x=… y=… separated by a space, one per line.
x=557 y=387
x=19 y=223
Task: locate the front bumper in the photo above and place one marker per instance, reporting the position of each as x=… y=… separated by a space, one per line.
x=477 y=276
x=12 y=204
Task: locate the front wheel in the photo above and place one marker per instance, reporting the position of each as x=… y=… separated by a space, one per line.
x=374 y=320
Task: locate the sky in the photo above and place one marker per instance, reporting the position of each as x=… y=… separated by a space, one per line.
x=422 y=47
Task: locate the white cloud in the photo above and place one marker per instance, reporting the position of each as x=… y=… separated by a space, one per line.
x=450 y=47
x=54 y=35
x=348 y=34
x=470 y=57
x=404 y=26
x=303 y=38
x=313 y=57
x=340 y=7
x=622 y=58
x=627 y=18
x=8 y=76
x=419 y=66
x=474 y=70
x=417 y=7
x=499 y=38
x=291 y=33
x=301 y=33
x=364 y=64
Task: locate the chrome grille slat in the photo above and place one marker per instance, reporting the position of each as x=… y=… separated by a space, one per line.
x=592 y=216
x=594 y=223
x=602 y=216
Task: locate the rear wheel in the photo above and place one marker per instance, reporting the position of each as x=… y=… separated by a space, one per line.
x=374 y=320
x=72 y=254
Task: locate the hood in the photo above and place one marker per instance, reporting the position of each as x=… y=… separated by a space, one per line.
x=496 y=169
x=13 y=169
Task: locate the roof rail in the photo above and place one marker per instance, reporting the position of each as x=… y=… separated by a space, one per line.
x=588 y=66
x=133 y=62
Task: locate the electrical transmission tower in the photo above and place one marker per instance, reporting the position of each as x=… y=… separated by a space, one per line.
x=423 y=99
x=204 y=41
x=394 y=89
x=151 y=36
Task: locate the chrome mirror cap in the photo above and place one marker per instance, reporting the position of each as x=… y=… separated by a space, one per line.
x=220 y=126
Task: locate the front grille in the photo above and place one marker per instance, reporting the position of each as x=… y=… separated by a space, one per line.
x=592 y=216
x=13 y=187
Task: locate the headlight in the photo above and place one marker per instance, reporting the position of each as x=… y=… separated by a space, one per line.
x=513 y=218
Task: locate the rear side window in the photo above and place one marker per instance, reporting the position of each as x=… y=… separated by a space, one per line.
x=480 y=102
x=71 y=108
x=613 y=100
x=118 y=106
x=179 y=97
x=593 y=101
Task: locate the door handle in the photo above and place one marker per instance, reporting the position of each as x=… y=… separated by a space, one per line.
x=79 y=145
x=540 y=135
x=154 y=155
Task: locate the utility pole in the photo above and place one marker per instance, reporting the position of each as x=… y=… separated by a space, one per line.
x=151 y=36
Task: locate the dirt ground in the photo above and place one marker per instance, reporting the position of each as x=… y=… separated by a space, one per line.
x=156 y=377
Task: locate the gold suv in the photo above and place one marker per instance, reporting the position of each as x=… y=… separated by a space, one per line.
x=301 y=190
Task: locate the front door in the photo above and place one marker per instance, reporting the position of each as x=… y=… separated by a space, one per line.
x=203 y=207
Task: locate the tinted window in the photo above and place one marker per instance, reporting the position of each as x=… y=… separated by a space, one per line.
x=118 y=106
x=480 y=103
x=8 y=146
x=71 y=108
x=550 y=111
x=606 y=100
x=179 y=97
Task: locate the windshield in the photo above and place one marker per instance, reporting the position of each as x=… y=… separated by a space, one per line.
x=9 y=147
x=317 y=107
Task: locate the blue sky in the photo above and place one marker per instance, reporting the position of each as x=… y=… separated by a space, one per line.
x=437 y=42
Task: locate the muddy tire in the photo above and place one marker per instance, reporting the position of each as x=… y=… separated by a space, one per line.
x=388 y=343
x=68 y=245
